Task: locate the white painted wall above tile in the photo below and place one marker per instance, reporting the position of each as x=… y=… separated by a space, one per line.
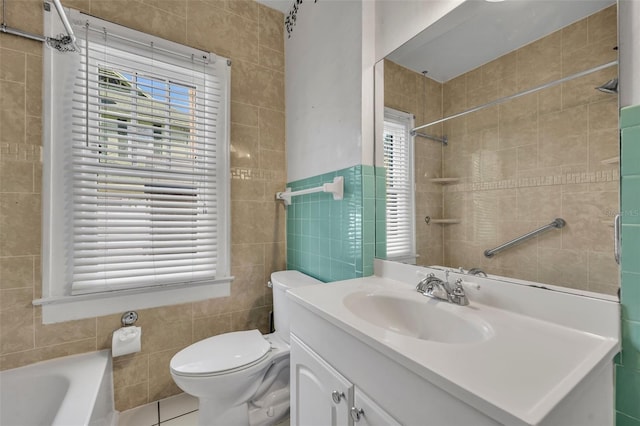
x=323 y=64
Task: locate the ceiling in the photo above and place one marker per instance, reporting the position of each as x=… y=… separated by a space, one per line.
x=479 y=31
x=281 y=5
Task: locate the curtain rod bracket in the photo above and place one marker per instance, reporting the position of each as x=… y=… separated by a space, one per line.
x=443 y=140
x=63 y=43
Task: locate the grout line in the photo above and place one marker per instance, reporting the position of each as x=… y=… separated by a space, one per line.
x=178 y=416
x=158 y=411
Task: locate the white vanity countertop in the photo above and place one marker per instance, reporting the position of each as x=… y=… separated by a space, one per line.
x=516 y=376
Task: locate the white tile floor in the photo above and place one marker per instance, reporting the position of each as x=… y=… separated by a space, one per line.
x=179 y=410
x=190 y=419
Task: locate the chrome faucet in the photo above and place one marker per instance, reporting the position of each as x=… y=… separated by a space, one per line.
x=457 y=294
x=434 y=287
x=477 y=272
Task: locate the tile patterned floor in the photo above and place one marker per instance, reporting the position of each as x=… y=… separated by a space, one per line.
x=179 y=410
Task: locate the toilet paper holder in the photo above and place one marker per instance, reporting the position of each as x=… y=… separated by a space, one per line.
x=127 y=339
x=129 y=318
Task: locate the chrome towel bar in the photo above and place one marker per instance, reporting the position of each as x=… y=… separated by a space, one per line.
x=557 y=224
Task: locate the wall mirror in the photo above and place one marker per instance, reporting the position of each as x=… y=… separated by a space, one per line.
x=541 y=142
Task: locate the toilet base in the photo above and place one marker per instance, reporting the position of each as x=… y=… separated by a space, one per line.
x=210 y=415
x=272 y=410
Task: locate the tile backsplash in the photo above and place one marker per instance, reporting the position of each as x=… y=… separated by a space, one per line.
x=333 y=239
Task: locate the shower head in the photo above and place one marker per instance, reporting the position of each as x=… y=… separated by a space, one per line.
x=610 y=86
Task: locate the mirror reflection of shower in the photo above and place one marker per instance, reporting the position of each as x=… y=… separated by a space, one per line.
x=528 y=138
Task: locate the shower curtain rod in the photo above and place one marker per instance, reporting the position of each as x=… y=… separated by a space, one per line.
x=517 y=95
x=60 y=44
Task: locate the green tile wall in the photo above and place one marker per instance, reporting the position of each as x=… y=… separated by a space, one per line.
x=333 y=239
x=381 y=212
x=622 y=420
x=628 y=367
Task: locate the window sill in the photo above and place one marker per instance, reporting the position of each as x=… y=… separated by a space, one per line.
x=410 y=259
x=67 y=308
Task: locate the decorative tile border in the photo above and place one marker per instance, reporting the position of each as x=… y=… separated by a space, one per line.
x=563 y=179
x=258 y=174
x=20 y=152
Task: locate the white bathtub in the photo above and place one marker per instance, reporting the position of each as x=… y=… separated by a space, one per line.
x=71 y=391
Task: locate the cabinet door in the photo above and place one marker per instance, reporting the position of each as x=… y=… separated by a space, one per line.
x=365 y=412
x=319 y=394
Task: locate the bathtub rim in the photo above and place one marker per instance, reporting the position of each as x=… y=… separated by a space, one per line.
x=90 y=376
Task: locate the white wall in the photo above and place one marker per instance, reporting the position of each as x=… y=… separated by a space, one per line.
x=629 y=36
x=329 y=72
x=324 y=86
x=397 y=21
x=368 y=63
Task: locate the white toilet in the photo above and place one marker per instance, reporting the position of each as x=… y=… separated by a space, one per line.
x=242 y=378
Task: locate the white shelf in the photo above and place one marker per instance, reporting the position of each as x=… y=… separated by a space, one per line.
x=612 y=160
x=445 y=181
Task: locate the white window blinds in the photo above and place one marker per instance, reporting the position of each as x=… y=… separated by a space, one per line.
x=398 y=160
x=146 y=174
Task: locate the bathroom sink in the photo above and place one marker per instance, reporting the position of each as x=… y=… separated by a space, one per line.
x=513 y=354
x=416 y=316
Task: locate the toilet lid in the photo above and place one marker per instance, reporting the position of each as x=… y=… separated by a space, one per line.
x=220 y=353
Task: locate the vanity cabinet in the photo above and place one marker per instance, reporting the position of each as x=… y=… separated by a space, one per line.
x=321 y=396
x=366 y=412
x=525 y=371
x=327 y=361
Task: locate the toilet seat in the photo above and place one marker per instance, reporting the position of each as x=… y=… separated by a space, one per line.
x=222 y=354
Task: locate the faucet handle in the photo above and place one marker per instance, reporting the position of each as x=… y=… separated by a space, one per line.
x=458 y=295
x=424 y=283
x=458 y=288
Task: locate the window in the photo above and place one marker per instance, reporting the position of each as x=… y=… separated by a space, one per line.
x=136 y=173
x=398 y=161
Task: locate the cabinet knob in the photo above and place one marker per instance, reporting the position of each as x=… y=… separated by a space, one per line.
x=337 y=396
x=356 y=413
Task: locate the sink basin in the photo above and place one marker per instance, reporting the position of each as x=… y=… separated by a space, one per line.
x=419 y=317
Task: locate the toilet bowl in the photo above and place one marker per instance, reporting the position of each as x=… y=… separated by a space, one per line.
x=242 y=378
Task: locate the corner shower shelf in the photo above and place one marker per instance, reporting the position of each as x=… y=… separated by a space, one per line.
x=445 y=181
x=612 y=160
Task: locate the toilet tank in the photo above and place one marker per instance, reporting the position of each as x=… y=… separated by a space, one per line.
x=283 y=281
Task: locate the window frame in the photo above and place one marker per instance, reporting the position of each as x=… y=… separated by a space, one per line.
x=406 y=121
x=58 y=304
